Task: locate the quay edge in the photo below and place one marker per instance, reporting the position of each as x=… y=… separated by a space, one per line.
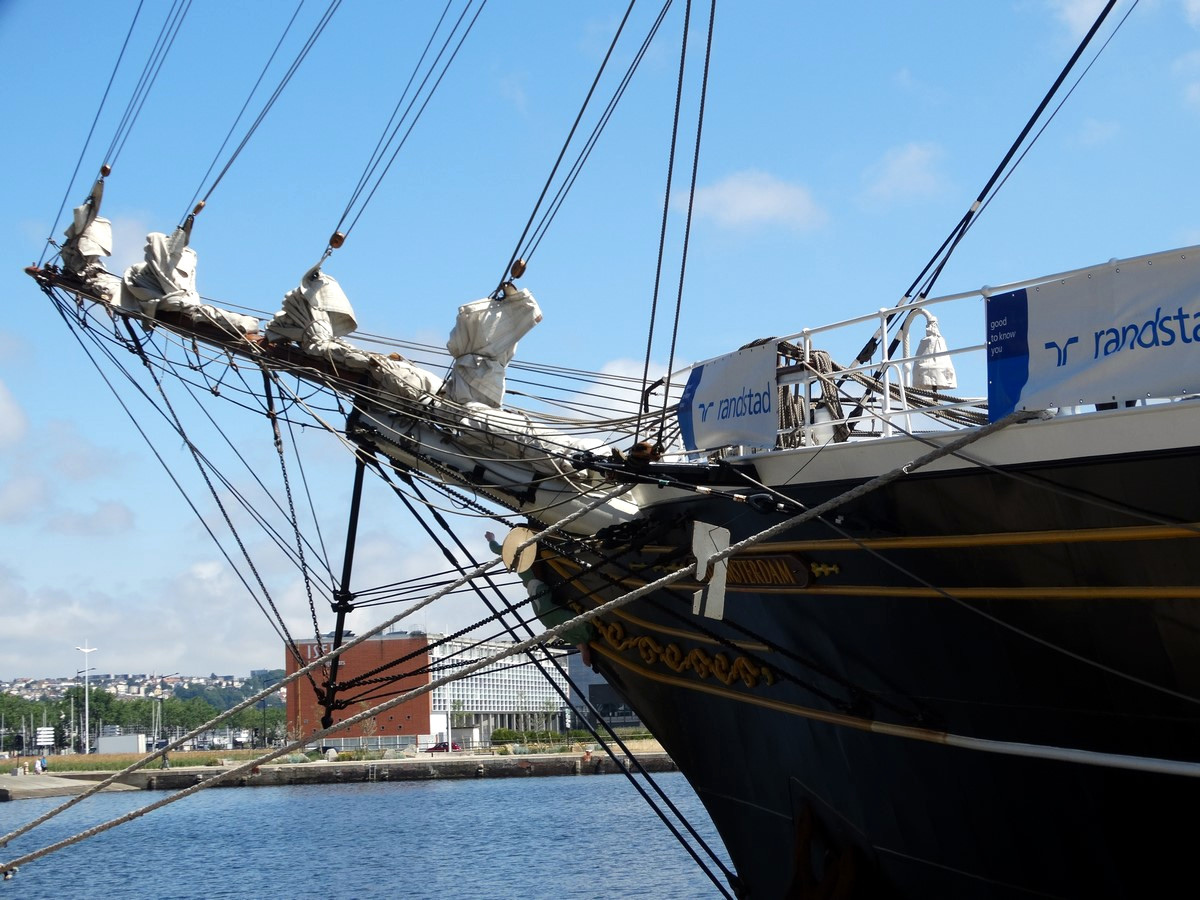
x=407 y=769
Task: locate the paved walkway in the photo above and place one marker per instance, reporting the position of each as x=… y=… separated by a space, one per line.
x=22 y=787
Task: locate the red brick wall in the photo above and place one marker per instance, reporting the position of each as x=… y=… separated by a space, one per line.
x=410 y=718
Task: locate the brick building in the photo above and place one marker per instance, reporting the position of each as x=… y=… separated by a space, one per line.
x=510 y=693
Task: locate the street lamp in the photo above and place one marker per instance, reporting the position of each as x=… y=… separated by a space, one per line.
x=86 y=738
x=160 y=728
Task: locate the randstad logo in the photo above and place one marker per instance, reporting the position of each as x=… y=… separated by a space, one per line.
x=1062 y=351
x=1159 y=331
x=748 y=403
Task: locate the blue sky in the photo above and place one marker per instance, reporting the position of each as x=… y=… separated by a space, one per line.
x=839 y=151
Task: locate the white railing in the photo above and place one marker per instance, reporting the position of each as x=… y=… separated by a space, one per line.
x=889 y=409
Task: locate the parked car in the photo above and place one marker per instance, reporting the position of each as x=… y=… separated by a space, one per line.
x=441 y=748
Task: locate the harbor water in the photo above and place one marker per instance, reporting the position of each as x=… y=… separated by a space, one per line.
x=555 y=837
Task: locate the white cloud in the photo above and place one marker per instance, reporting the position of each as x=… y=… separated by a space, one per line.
x=750 y=198
x=129 y=243
x=19 y=496
x=1187 y=69
x=907 y=171
x=79 y=459
x=106 y=519
x=1191 y=9
x=1077 y=15
x=14 y=424
x=906 y=81
x=13 y=348
x=1094 y=132
x=195 y=622
x=512 y=89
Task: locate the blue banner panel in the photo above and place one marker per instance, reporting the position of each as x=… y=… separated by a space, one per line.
x=1007 y=351
x=730 y=401
x=1127 y=330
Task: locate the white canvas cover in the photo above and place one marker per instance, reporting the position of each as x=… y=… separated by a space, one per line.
x=934 y=369
x=314 y=313
x=167 y=278
x=400 y=377
x=89 y=236
x=483 y=343
x=166 y=282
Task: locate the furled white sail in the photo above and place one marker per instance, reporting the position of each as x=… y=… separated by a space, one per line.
x=396 y=375
x=314 y=314
x=89 y=236
x=166 y=282
x=483 y=343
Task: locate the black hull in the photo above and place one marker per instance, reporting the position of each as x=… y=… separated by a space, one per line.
x=1052 y=614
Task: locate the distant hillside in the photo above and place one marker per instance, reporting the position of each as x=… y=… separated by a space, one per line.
x=227 y=697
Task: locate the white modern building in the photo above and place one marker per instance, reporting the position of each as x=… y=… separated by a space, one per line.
x=510 y=693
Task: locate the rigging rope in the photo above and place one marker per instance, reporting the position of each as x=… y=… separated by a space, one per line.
x=287 y=487
x=1050 y=118
x=956 y=235
x=929 y=274
x=197 y=458
x=384 y=141
x=691 y=209
x=576 y=169
x=525 y=645
x=317 y=31
x=339 y=234
x=199 y=463
x=171 y=25
x=91 y=131
x=242 y=111
x=561 y=153
x=666 y=206
x=170 y=474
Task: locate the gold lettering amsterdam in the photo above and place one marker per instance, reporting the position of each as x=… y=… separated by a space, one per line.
x=780 y=569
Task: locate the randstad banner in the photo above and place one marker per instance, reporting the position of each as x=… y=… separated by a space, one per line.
x=1123 y=331
x=731 y=400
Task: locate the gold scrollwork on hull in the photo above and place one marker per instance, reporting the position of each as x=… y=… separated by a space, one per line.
x=697 y=660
